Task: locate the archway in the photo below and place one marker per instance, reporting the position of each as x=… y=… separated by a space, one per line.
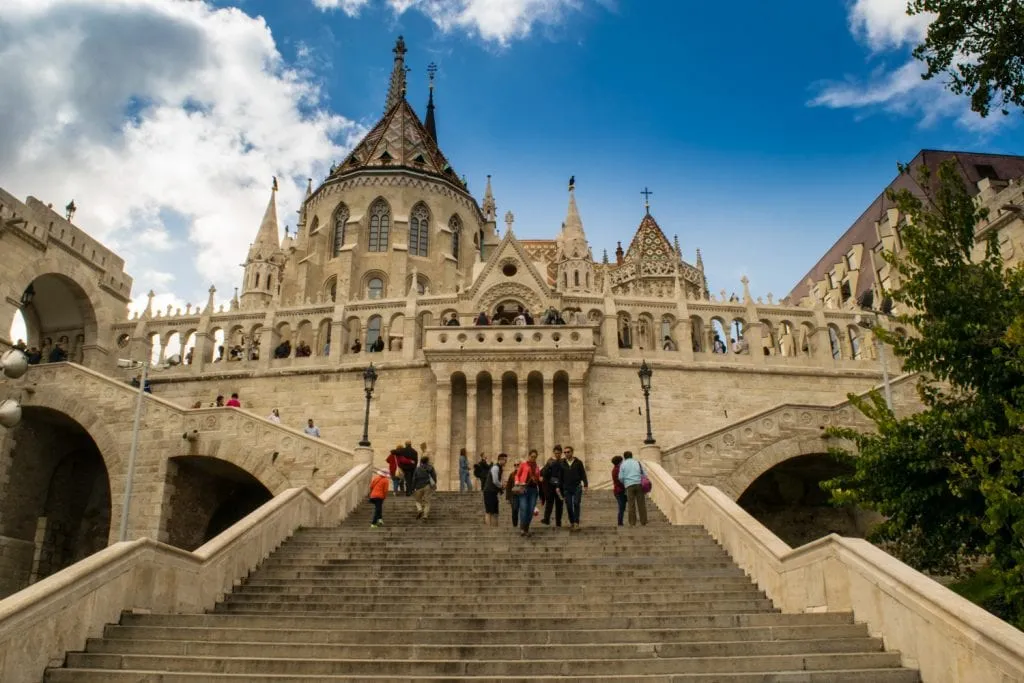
x=789 y=500
x=55 y=503
x=207 y=495
x=56 y=308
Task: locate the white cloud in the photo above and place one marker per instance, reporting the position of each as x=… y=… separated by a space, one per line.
x=165 y=122
x=885 y=24
x=494 y=20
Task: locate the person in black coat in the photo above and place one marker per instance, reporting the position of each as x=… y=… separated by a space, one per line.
x=574 y=483
x=551 y=481
x=408 y=458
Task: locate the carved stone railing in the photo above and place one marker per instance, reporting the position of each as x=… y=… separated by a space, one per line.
x=502 y=340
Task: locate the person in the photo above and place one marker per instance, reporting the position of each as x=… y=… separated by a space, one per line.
x=481 y=470
x=407 y=461
x=668 y=344
x=574 y=483
x=356 y=346
x=551 y=482
x=35 y=356
x=631 y=474
x=424 y=481
x=528 y=481
x=520 y=318
x=274 y=416
x=718 y=346
x=528 y=316
x=21 y=346
x=233 y=402
x=397 y=477
x=482 y=320
x=617 y=488
x=465 y=484
x=378 y=345
x=492 y=488
x=511 y=493
x=58 y=354
x=453 y=321
x=218 y=402
x=378 y=492
x=312 y=429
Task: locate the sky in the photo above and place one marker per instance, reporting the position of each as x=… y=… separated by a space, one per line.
x=762 y=129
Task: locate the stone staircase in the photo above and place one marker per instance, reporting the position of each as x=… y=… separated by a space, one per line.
x=448 y=599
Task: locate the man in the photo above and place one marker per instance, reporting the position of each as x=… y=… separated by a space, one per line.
x=631 y=475
x=424 y=481
x=492 y=488
x=233 y=402
x=453 y=321
x=312 y=429
x=356 y=346
x=551 y=477
x=481 y=470
x=574 y=483
x=408 y=458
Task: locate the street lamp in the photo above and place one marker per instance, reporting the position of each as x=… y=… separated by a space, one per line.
x=369 y=379
x=866 y=301
x=645 y=384
x=126 y=504
x=13 y=364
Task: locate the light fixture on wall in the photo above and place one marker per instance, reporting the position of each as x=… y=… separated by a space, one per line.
x=28 y=295
x=13 y=364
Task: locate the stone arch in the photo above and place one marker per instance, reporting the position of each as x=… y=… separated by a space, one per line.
x=426 y=319
x=379 y=225
x=419 y=229
x=304 y=341
x=353 y=333
x=856 y=340
x=698 y=338
x=323 y=337
x=769 y=338
x=395 y=332
x=368 y=288
x=624 y=325
x=775 y=453
x=835 y=341
x=330 y=289
x=788 y=338
x=645 y=332
x=489 y=299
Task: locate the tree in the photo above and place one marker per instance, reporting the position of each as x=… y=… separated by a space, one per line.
x=979 y=45
x=949 y=479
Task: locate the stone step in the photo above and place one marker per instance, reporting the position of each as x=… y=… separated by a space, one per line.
x=515 y=600
x=477 y=610
x=672 y=575
x=386 y=586
x=514 y=667
x=886 y=675
x=391 y=650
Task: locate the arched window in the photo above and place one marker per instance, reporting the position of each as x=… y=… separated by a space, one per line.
x=270 y=281
x=257 y=285
x=833 y=340
x=855 y=343
x=576 y=278
x=375 y=288
x=331 y=290
x=372 y=330
x=380 y=225
x=314 y=226
x=455 y=225
x=338 y=235
x=419 y=230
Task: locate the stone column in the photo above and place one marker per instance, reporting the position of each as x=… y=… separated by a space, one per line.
x=755 y=342
x=496 y=416
x=610 y=335
x=443 y=433
x=338 y=339
x=549 y=416
x=521 y=415
x=470 y=421
x=577 y=418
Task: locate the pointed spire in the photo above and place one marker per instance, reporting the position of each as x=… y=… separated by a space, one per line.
x=268 y=236
x=675 y=242
x=573 y=222
x=700 y=261
x=148 y=311
x=396 y=89
x=604 y=257
x=618 y=254
x=309 y=188
x=430 y=125
x=489 y=207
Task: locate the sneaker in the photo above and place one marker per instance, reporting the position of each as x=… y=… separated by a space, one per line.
x=544 y=521
x=380 y=522
x=419 y=514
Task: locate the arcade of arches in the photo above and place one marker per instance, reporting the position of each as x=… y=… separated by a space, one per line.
x=789 y=500
x=56 y=314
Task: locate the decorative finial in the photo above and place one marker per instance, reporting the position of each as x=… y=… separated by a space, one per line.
x=431 y=72
x=604 y=257
x=309 y=187
x=647 y=200
x=675 y=241
x=69 y=210
x=274 y=185
x=396 y=89
x=746 y=289
x=509 y=220
x=572 y=183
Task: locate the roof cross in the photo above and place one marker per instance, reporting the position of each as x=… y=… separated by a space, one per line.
x=647 y=199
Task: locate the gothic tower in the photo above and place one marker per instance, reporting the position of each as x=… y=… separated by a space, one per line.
x=575 y=265
x=265 y=261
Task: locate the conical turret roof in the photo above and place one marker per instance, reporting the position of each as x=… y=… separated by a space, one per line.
x=268 y=238
x=649 y=243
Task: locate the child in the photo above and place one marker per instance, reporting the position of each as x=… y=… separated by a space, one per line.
x=378 y=492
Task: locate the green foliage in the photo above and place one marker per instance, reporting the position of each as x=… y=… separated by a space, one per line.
x=979 y=46
x=950 y=479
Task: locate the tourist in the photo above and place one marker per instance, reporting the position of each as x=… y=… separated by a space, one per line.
x=528 y=482
x=529 y=318
x=551 y=482
x=512 y=494
x=58 y=354
x=218 y=402
x=312 y=429
x=356 y=346
x=197 y=404
x=482 y=320
x=668 y=344
x=397 y=478
x=378 y=492
x=233 y=402
x=718 y=346
x=274 y=416
x=424 y=481
x=520 y=318
x=631 y=474
x=378 y=345
x=482 y=470
x=21 y=346
x=574 y=483
x=492 y=487
x=35 y=356
x=407 y=461
x=453 y=320
x=465 y=484
x=617 y=488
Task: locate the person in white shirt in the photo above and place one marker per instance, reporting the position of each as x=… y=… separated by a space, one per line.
x=274 y=416
x=312 y=429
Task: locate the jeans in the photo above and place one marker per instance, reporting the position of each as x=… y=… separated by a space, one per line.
x=378 y=509
x=465 y=484
x=527 y=502
x=637 y=500
x=573 y=501
x=620 y=498
x=397 y=482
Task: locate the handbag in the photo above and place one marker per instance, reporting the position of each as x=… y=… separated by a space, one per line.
x=645 y=483
x=518 y=489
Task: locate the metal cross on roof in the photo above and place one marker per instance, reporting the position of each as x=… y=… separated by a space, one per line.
x=647 y=199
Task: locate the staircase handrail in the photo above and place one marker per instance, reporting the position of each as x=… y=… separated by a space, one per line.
x=945 y=636
x=59 y=613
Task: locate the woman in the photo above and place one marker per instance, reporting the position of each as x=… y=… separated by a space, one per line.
x=617 y=488
x=465 y=484
x=528 y=483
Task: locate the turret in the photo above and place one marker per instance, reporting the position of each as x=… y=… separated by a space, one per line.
x=573 y=260
x=265 y=261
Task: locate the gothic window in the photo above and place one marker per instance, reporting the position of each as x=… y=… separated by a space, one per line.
x=314 y=226
x=338 y=234
x=455 y=225
x=576 y=278
x=257 y=285
x=331 y=289
x=375 y=288
x=833 y=340
x=372 y=330
x=419 y=230
x=380 y=225
x=270 y=281
x=855 y=343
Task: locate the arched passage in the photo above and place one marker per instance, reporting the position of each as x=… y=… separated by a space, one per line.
x=789 y=500
x=55 y=503
x=59 y=317
x=206 y=496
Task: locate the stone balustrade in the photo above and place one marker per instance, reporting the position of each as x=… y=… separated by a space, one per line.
x=502 y=339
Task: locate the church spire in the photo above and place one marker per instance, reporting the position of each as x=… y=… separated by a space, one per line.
x=396 y=89
x=269 y=237
x=430 y=125
x=490 y=208
x=573 y=223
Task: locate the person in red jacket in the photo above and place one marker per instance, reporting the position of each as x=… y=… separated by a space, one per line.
x=378 y=492
x=397 y=479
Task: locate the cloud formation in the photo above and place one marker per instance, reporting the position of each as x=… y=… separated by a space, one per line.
x=165 y=122
x=499 y=21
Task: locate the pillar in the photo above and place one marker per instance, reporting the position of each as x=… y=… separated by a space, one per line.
x=496 y=421
x=610 y=334
x=522 y=411
x=470 y=421
x=549 y=416
x=443 y=433
x=338 y=337
x=576 y=417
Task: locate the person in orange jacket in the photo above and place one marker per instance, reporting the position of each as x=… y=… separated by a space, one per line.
x=379 y=485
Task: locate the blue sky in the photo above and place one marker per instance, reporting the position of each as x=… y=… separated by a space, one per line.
x=762 y=129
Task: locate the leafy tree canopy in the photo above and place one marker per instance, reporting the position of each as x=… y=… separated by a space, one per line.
x=979 y=46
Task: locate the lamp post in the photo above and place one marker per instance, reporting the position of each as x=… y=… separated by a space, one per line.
x=13 y=364
x=645 y=384
x=369 y=379
x=865 y=301
x=127 y=502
